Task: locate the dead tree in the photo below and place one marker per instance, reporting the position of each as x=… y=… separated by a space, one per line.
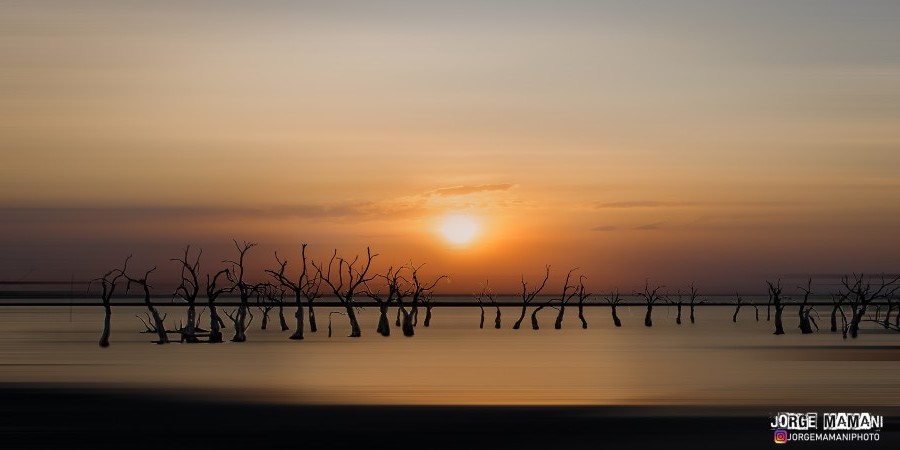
x=480 y=299
x=650 y=296
x=737 y=307
x=778 y=302
x=245 y=290
x=306 y=287
x=420 y=292
x=396 y=289
x=693 y=297
x=265 y=302
x=158 y=322
x=613 y=299
x=528 y=297
x=344 y=279
x=804 y=313
x=188 y=290
x=487 y=293
x=332 y=313
x=582 y=297
x=861 y=292
x=212 y=294
x=108 y=284
x=679 y=302
x=428 y=301
x=564 y=300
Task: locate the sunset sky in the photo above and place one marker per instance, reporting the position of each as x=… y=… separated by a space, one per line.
x=722 y=142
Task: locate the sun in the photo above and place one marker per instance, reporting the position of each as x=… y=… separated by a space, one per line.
x=459 y=229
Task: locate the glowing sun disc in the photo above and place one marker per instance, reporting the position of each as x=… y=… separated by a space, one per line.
x=459 y=229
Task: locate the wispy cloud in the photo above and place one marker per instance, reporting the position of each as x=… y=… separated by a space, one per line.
x=465 y=190
x=643 y=204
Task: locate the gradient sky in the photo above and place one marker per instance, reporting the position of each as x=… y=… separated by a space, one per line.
x=722 y=142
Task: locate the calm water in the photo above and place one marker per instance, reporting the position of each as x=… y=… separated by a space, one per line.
x=712 y=362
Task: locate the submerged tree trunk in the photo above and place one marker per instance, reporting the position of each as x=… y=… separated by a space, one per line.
x=678 y=317
x=481 y=323
x=736 y=311
x=534 y=321
x=692 y=314
x=190 y=332
x=104 y=338
x=497 y=320
x=834 y=318
x=284 y=325
x=398 y=323
x=384 y=327
x=559 y=317
x=428 y=315
x=854 y=322
x=581 y=316
x=355 y=331
x=648 y=322
x=615 y=316
x=521 y=317
x=297 y=335
x=312 y=320
x=779 y=328
x=215 y=322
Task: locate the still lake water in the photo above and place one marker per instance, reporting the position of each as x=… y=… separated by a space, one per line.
x=712 y=362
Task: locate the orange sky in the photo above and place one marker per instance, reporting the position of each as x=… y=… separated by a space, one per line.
x=720 y=142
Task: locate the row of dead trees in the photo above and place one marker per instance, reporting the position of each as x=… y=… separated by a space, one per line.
x=405 y=289
x=345 y=279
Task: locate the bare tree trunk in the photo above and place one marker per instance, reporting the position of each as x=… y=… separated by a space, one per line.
x=384 y=327
x=678 y=317
x=312 y=320
x=521 y=317
x=190 y=332
x=857 y=318
x=737 y=309
x=534 y=321
x=559 y=317
x=581 y=316
x=779 y=327
x=497 y=320
x=399 y=308
x=297 y=335
x=104 y=338
x=427 y=315
x=284 y=325
x=834 y=318
x=481 y=323
x=615 y=316
x=355 y=331
x=215 y=322
x=648 y=322
x=692 y=314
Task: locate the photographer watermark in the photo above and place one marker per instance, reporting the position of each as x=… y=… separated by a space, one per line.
x=836 y=426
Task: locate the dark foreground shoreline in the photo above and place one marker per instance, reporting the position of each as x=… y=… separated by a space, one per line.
x=64 y=417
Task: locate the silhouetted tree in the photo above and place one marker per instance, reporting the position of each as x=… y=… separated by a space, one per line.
x=188 y=291
x=158 y=324
x=650 y=296
x=564 y=300
x=806 y=322
x=695 y=295
x=679 y=302
x=737 y=307
x=395 y=284
x=480 y=299
x=265 y=302
x=778 y=302
x=528 y=297
x=306 y=287
x=582 y=297
x=420 y=291
x=861 y=293
x=245 y=290
x=487 y=293
x=212 y=294
x=344 y=280
x=613 y=301
x=108 y=285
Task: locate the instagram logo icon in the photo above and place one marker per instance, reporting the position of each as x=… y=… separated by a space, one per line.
x=781 y=436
